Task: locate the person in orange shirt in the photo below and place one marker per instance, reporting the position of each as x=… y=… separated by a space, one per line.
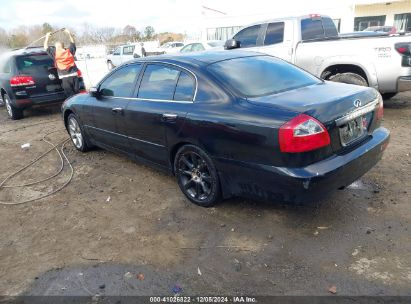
x=65 y=64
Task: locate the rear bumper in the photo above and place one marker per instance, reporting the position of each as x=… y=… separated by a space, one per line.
x=39 y=100
x=404 y=84
x=303 y=184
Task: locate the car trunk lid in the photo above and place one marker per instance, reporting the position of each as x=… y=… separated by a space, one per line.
x=347 y=111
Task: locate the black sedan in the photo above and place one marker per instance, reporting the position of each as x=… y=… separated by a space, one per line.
x=233 y=124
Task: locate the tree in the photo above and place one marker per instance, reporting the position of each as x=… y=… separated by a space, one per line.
x=19 y=37
x=4 y=39
x=148 y=32
x=46 y=27
x=131 y=33
x=34 y=32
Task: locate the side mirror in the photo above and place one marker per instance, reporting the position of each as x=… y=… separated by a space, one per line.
x=94 y=92
x=231 y=44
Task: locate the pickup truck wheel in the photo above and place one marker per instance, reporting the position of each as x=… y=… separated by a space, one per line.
x=14 y=113
x=387 y=96
x=350 y=78
x=197 y=176
x=110 y=65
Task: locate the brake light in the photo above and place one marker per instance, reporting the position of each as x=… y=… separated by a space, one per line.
x=302 y=134
x=403 y=48
x=21 y=80
x=380 y=111
x=315 y=16
x=79 y=74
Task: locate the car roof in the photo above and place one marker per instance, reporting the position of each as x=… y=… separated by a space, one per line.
x=200 y=58
x=27 y=51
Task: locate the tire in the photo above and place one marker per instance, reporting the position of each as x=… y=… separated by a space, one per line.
x=14 y=113
x=197 y=176
x=110 y=65
x=76 y=134
x=387 y=96
x=350 y=78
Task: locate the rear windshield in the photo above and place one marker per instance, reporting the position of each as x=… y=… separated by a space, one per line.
x=260 y=75
x=34 y=63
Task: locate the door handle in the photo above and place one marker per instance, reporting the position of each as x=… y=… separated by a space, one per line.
x=117 y=110
x=169 y=117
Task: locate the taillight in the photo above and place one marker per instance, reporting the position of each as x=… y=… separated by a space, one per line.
x=21 y=80
x=79 y=74
x=380 y=111
x=403 y=48
x=302 y=134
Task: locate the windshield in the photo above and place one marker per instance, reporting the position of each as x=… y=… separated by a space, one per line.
x=261 y=75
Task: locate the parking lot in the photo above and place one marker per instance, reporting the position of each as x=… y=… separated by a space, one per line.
x=122 y=228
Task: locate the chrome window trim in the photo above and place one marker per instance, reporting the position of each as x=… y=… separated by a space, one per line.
x=148 y=99
x=357 y=113
x=163 y=100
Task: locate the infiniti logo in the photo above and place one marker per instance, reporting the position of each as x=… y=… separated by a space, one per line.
x=357 y=103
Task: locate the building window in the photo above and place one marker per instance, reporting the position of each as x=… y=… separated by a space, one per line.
x=402 y=22
x=361 y=23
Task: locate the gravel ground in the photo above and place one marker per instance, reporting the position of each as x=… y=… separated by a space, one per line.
x=123 y=228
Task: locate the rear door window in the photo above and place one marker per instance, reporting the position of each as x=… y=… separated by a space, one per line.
x=248 y=36
x=185 y=87
x=159 y=82
x=275 y=33
x=35 y=63
x=121 y=82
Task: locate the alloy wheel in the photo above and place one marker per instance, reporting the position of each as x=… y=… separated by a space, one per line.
x=75 y=133
x=195 y=176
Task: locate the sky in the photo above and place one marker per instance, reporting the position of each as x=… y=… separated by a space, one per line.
x=164 y=15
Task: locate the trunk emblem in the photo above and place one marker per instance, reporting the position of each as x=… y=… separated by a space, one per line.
x=52 y=77
x=357 y=103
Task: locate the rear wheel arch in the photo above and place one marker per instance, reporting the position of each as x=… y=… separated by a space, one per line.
x=197 y=175
x=336 y=69
x=66 y=115
x=2 y=92
x=174 y=150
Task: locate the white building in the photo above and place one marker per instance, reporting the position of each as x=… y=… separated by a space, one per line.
x=348 y=15
x=396 y=13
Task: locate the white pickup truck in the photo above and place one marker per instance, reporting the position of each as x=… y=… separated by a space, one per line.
x=122 y=54
x=312 y=43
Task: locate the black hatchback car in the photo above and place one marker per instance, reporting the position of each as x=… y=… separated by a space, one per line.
x=28 y=78
x=233 y=123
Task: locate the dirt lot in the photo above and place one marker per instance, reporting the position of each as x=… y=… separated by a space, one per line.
x=79 y=242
